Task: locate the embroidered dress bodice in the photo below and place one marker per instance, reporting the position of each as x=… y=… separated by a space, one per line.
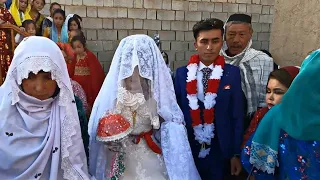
x=134 y=107
x=140 y=161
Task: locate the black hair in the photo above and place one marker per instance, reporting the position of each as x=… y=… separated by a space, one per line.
x=53 y=4
x=80 y=38
x=166 y=56
x=78 y=17
x=206 y=25
x=283 y=76
x=44 y=2
x=76 y=20
x=266 y=52
x=59 y=11
x=25 y=23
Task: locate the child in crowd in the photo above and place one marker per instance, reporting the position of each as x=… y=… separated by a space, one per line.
x=30 y=27
x=47 y=22
x=20 y=10
x=74 y=24
x=59 y=30
x=88 y=71
x=37 y=17
x=68 y=51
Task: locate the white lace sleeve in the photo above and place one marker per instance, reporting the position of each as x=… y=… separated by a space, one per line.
x=177 y=153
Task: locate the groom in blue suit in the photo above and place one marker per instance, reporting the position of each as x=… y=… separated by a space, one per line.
x=228 y=109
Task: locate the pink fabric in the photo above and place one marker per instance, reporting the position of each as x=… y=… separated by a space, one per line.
x=79 y=92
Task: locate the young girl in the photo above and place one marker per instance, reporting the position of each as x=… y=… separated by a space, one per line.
x=41 y=135
x=47 y=22
x=59 y=30
x=88 y=70
x=37 y=17
x=74 y=24
x=68 y=51
x=30 y=27
x=20 y=10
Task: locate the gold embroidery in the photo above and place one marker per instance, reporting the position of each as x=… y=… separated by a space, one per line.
x=82 y=71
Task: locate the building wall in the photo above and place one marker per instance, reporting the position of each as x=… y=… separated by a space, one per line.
x=296 y=30
x=106 y=22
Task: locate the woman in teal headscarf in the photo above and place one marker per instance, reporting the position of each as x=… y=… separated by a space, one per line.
x=59 y=30
x=286 y=144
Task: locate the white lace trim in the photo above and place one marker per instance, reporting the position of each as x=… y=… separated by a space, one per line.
x=35 y=64
x=263 y=157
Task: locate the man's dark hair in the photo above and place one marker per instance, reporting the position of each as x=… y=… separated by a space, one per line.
x=206 y=25
x=53 y=4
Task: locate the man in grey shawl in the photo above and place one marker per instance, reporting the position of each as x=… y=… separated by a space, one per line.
x=255 y=66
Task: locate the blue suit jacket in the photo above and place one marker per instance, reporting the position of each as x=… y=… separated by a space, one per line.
x=228 y=109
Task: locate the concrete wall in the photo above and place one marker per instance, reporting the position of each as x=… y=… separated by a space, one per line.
x=106 y=22
x=296 y=30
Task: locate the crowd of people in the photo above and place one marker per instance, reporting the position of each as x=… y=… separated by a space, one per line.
x=230 y=113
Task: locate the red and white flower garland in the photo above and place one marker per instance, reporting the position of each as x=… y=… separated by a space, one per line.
x=203 y=132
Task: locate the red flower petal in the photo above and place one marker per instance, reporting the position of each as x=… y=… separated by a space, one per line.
x=195 y=116
x=192 y=87
x=194 y=59
x=208 y=115
x=213 y=85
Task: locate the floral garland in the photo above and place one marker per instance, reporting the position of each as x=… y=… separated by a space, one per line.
x=203 y=132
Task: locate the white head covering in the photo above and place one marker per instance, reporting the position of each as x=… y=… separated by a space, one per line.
x=39 y=139
x=142 y=52
x=68 y=18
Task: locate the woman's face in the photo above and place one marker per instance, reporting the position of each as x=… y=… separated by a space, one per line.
x=40 y=85
x=73 y=26
x=78 y=47
x=275 y=92
x=38 y=5
x=23 y=4
x=58 y=20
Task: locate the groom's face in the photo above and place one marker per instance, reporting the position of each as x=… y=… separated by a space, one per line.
x=208 y=44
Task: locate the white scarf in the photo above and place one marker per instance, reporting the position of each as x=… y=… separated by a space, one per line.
x=39 y=139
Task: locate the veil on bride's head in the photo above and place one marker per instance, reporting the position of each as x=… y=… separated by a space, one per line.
x=138 y=66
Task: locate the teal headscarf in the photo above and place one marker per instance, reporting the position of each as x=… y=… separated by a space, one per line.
x=298 y=115
x=64 y=38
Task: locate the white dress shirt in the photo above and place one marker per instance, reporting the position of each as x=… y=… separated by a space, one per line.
x=201 y=92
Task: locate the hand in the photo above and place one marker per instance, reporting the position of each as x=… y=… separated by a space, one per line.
x=22 y=29
x=236 y=166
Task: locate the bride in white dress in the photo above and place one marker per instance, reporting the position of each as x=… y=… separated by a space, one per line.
x=139 y=87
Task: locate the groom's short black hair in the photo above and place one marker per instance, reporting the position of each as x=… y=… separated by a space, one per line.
x=206 y=25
